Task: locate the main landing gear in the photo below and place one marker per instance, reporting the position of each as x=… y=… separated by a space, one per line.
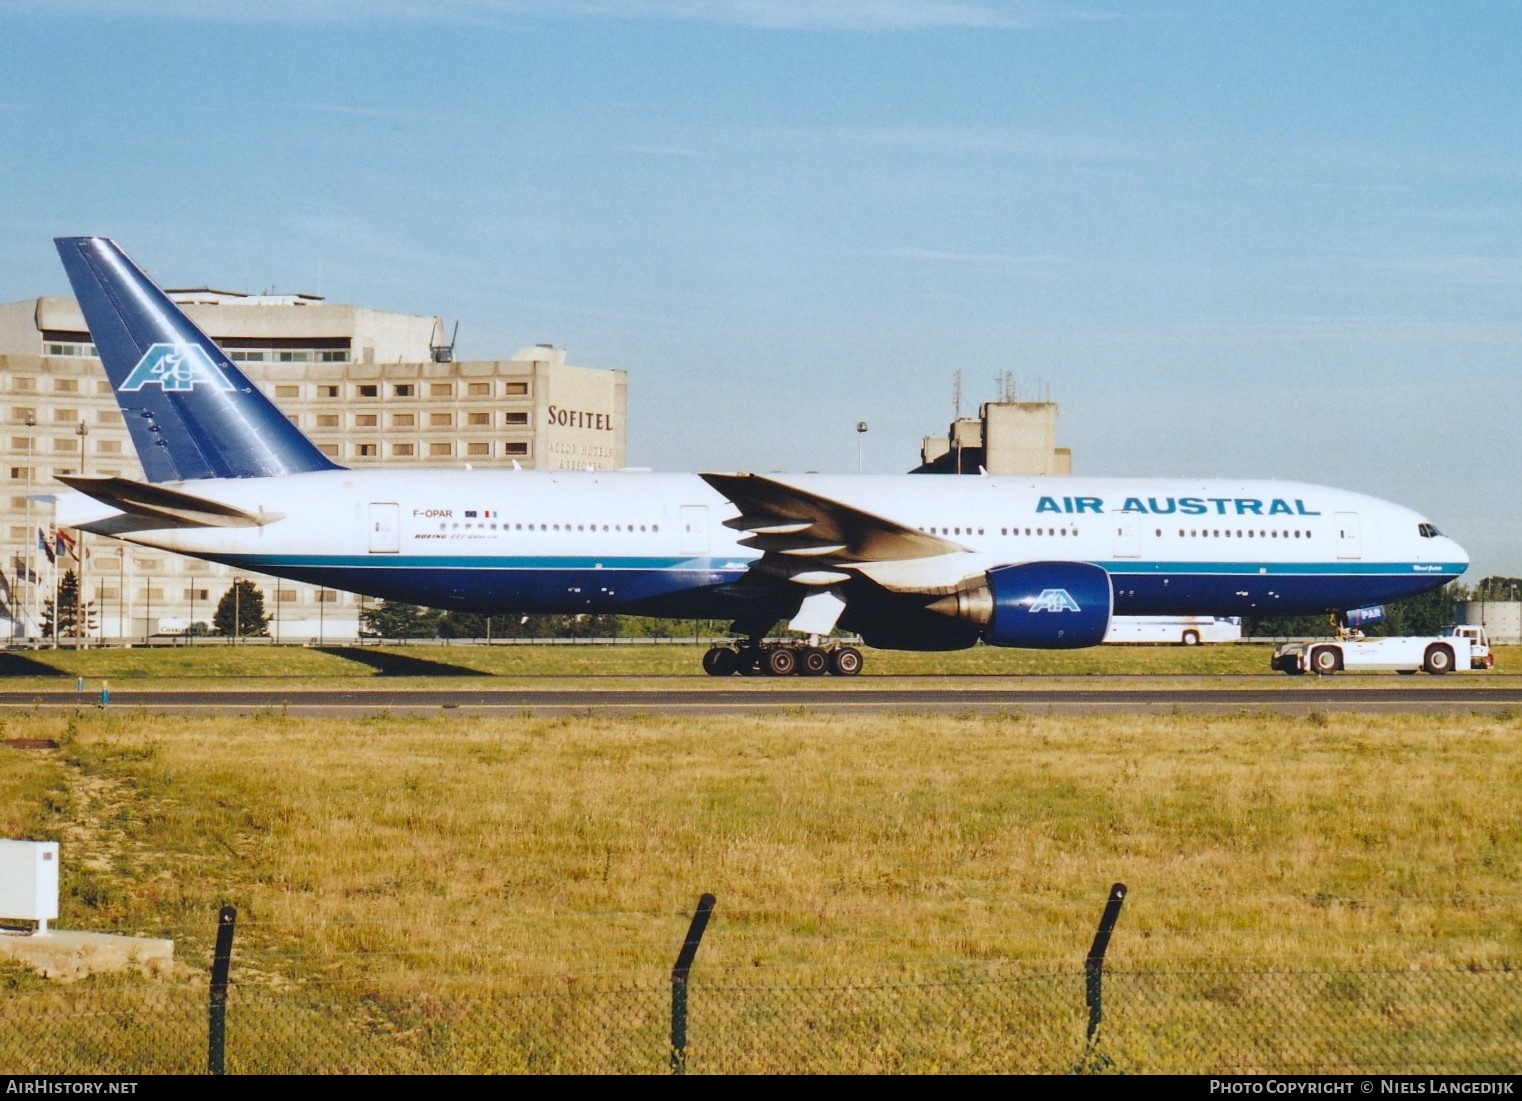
x=781 y=659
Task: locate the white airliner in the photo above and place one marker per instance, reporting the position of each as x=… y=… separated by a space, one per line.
x=916 y=562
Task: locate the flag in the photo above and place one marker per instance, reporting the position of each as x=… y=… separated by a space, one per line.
x=23 y=573
x=45 y=546
x=66 y=542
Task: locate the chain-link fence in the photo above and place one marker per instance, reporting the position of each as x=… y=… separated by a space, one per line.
x=976 y=1020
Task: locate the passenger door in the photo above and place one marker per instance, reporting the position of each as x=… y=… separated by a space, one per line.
x=1349 y=539
x=385 y=527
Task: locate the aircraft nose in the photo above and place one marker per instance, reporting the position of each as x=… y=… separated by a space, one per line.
x=1459 y=555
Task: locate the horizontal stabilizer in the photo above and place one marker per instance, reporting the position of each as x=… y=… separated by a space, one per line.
x=173 y=507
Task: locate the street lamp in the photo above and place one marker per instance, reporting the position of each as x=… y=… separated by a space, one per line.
x=861 y=435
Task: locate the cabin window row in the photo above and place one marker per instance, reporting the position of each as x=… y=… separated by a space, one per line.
x=505 y=526
x=1239 y=533
x=970 y=530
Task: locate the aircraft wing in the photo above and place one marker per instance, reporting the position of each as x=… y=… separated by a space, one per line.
x=793 y=522
x=166 y=507
x=819 y=541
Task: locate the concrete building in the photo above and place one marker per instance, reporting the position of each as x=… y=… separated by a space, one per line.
x=1502 y=619
x=369 y=389
x=1006 y=437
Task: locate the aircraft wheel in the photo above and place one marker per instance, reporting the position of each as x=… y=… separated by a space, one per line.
x=845 y=662
x=1191 y=638
x=720 y=661
x=1439 y=660
x=781 y=661
x=813 y=662
x=1324 y=661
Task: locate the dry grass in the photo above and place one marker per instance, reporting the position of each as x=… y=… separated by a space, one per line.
x=401 y=851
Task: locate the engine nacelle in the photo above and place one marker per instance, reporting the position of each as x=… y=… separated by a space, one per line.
x=1037 y=605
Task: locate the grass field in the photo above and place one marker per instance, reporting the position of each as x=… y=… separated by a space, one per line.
x=408 y=859
x=329 y=665
x=408 y=848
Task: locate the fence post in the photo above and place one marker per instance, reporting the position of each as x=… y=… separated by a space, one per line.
x=1094 y=966
x=216 y=1012
x=679 y=975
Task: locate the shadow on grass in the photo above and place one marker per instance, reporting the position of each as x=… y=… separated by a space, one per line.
x=19 y=665
x=399 y=665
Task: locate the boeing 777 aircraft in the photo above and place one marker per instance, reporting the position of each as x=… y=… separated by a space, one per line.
x=913 y=562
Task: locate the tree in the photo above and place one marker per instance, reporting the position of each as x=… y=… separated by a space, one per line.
x=240 y=612
x=394 y=619
x=63 y=618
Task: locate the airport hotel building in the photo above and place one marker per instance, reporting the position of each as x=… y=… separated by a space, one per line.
x=369 y=389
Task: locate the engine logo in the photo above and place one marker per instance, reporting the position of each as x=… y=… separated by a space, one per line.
x=1054 y=600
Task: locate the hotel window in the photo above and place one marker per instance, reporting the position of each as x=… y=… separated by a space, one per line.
x=333 y=357
x=287 y=596
x=23 y=385
x=439 y=420
x=327 y=391
x=20 y=413
x=369 y=391
x=288 y=391
x=103 y=387
x=440 y=389
x=295 y=357
x=327 y=420
x=477 y=418
x=403 y=450
x=328 y=449
x=108 y=447
x=107 y=416
x=478 y=389
x=66 y=385
x=441 y=449
x=367 y=450
x=366 y=420
x=66 y=416
x=402 y=390
x=403 y=420
x=515 y=447
x=517 y=418
x=478 y=449
x=515 y=389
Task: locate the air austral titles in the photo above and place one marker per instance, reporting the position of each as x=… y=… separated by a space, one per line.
x=909 y=562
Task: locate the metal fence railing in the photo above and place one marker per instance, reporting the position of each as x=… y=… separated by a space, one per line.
x=1156 y=1021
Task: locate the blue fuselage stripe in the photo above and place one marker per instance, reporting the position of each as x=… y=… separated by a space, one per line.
x=697 y=586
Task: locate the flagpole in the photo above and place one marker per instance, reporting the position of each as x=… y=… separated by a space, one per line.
x=31 y=537
x=79 y=554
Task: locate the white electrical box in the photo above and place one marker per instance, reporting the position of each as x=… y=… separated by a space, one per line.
x=29 y=882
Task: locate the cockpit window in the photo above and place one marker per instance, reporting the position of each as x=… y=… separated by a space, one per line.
x=1428 y=531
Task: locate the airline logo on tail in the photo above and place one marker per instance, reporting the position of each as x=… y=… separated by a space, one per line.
x=176 y=369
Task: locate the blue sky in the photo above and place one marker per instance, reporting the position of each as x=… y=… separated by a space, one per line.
x=1267 y=240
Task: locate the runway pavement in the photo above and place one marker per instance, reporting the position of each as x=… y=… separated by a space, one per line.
x=623 y=695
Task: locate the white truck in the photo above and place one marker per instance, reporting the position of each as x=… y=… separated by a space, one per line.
x=1185 y=630
x=1462 y=646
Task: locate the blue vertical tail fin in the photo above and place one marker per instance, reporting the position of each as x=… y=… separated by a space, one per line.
x=191 y=413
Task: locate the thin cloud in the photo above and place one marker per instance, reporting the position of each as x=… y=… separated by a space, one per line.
x=992 y=141
x=948 y=257
x=866 y=16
